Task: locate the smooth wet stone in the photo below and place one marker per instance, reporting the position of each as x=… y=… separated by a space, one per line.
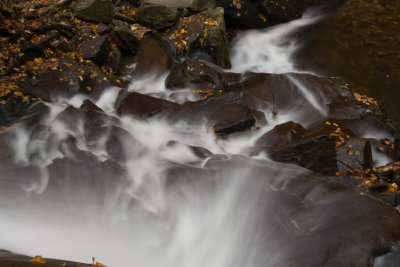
x=316 y=221
x=94 y=10
x=317 y=154
x=89 y=105
x=224 y=114
x=281 y=134
x=152 y=58
x=143 y=106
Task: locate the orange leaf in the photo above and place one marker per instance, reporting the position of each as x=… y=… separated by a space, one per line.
x=38 y=259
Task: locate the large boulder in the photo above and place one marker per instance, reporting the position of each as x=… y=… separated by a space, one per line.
x=201 y=35
x=223 y=114
x=161 y=14
x=358 y=39
x=317 y=154
x=94 y=10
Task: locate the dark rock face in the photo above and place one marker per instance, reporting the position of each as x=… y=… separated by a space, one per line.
x=354 y=153
x=143 y=106
x=318 y=154
x=89 y=105
x=94 y=10
x=261 y=13
x=96 y=50
x=224 y=114
x=196 y=74
x=202 y=33
x=115 y=60
x=152 y=58
x=74 y=78
x=317 y=217
x=285 y=133
x=157 y=15
x=125 y=38
x=340 y=40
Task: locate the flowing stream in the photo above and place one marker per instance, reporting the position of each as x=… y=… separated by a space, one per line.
x=171 y=203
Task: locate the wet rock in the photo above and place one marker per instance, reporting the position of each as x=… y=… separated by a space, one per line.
x=94 y=10
x=61 y=44
x=103 y=28
x=198 y=75
x=355 y=153
x=96 y=50
x=285 y=133
x=260 y=118
x=321 y=100
x=316 y=216
x=120 y=145
x=86 y=120
x=260 y=13
x=317 y=154
x=358 y=39
x=161 y=14
x=125 y=38
x=89 y=105
x=225 y=114
x=72 y=78
x=115 y=60
x=202 y=33
x=152 y=58
x=200 y=152
x=143 y=106
x=16 y=109
x=157 y=15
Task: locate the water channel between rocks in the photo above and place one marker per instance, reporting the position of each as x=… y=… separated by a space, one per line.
x=180 y=196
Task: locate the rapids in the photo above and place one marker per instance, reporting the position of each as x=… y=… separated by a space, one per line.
x=63 y=196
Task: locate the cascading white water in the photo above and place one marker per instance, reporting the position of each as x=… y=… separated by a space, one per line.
x=166 y=210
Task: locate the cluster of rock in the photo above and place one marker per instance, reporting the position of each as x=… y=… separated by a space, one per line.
x=189 y=40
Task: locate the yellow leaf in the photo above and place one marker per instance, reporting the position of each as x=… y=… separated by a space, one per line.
x=18 y=93
x=88 y=88
x=38 y=259
x=80 y=77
